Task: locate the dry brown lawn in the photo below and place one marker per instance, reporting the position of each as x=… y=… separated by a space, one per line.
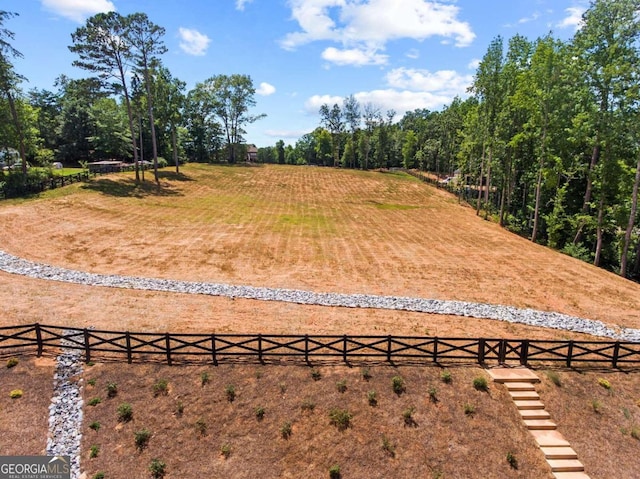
x=306 y=228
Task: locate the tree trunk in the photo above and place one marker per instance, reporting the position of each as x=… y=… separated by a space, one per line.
x=536 y=210
x=131 y=128
x=18 y=127
x=174 y=143
x=595 y=156
x=488 y=186
x=480 y=182
x=154 y=143
x=599 y=231
x=632 y=219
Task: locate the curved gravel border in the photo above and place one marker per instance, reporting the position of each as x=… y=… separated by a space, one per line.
x=532 y=317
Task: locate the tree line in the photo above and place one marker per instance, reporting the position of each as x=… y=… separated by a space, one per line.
x=548 y=142
x=130 y=108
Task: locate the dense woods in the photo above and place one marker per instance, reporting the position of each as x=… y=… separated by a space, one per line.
x=546 y=142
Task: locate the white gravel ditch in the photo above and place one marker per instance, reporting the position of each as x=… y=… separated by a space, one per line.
x=532 y=317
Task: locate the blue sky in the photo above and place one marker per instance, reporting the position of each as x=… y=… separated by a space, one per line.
x=396 y=54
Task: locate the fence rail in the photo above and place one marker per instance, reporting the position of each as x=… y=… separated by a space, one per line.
x=140 y=347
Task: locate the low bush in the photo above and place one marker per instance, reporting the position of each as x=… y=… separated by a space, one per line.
x=94 y=401
x=372 y=398
x=157 y=468
x=445 y=376
x=286 y=429
x=334 y=472
x=125 y=412
x=16 y=394
x=341 y=385
x=398 y=385
x=480 y=383
x=141 y=438
x=12 y=362
x=340 y=418
x=161 y=388
x=94 y=451
x=95 y=425
x=230 y=392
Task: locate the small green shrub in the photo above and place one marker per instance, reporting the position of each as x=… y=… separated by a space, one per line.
x=225 y=450
x=512 y=460
x=125 y=412
x=98 y=475
x=201 y=426
x=259 y=413
x=341 y=385
x=315 y=374
x=95 y=450
x=230 y=392
x=308 y=405
x=469 y=409
x=204 y=378
x=372 y=398
x=112 y=390
x=157 y=468
x=141 y=438
x=334 y=472
x=596 y=405
x=95 y=425
x=398 y=385
x=340 y=418
x=480 y=383
x=12 y=362
x=286 y=429
x=91 y=382
x=161 y=388
x=94 y=401
x=635 y=432
x=433 y=395
x=445 y=377
x=16 y=394
x=388 y=446
x=179 y=408
x=554 y=377
x=91 y=363
x=407 y=416
x=283 y=388
x=366 y=373
x=604 y=383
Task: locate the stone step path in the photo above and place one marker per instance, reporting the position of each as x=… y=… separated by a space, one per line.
x=520 y=383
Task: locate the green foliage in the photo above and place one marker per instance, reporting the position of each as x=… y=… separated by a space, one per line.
x=554 y=377
x=94 y=401
x=201 y=426
x=340 y=418
x=372 y=398
x=398 y=385
x=204 y=378
x=95 y=425
x=162 y=163
x=308 y=405
x=433 y=395
x=179 y=408
x=407 y=416
x=91 y=382
x=286 y=429
x=604 y=383
x=635 y=432
x=578 y=251
x=388 y=446
x=341 y=385
x=12 y=362
x=225 y=451
x=366 y=373
x=230 y=392
x=161 y=388
x=445 y=377
x=480 y=383
x=469 y=409
x=157 y=468
x=283 y=388
x=512 y=460
x=334 y=472
x=596 y=405
x=315 y=374
x=98 y=475
x=259 y=411
x=125 y=412
x=112 y=389
x=94 y=451
x=141 y=438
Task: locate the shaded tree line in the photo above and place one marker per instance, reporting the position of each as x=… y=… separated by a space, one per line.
x=131 y=107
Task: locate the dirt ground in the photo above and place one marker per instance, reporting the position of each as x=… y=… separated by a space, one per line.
x=309 y=228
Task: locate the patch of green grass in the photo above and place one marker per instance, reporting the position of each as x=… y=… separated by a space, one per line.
x=94 y=401
x=340 y=418
x=480 y=383
x=95 y=450
x=161 y=387
x=286 y=429
x=95 y=425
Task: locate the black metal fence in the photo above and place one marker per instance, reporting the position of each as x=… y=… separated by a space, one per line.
x=214 y=348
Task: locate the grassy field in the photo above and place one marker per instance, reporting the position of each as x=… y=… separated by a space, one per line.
x=320 y=229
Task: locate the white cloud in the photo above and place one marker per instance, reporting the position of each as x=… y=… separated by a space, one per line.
x=573 y=18
x=313 y=104
x=78 y=10
x=442 y=83
x=413 y=54
x=474 y=64
x=265 y=89
x=288 y=134
x=241 y=3
x=532 y=18
x=367 y=25
x=193 y=42
x=403 y=101
x=354 y=56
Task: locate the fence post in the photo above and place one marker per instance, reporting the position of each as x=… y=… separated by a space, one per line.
x=569 y=353
x=502 y=351
x=39 y=339
x=481 y=344
x=167 y=342
x=213 y=350
x=344 y=348
x=435 y=350
x=128 y=340
x=87 y=347
x=306 y=348
x=389 y=348
x=524 y=352
x=260 y=348
x=616 y=353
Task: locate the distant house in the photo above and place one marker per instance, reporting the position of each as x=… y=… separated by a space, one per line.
x=252 y=153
